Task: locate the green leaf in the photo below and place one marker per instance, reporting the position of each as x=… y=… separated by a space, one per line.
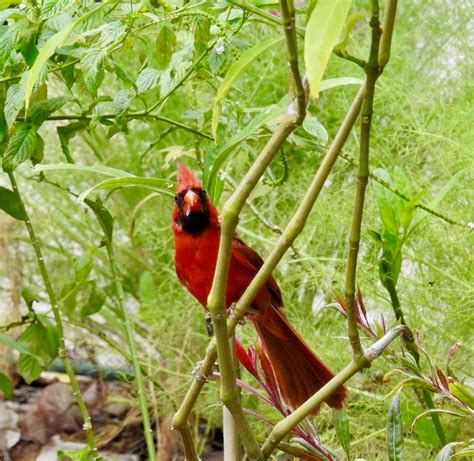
x=30 y=295
x=351 y=21
x=18 y=346
x=313 y=127
x=395 y=430
x=10 y=204
x=50 y=8
x=51 y=336
x=14 y=102
x=148 y=79
x=202 y=33
x=41 y=110
x=67 y=132
x=462 y=393
x=215 y=158
x=83 y=266
x=48 y=50
x=94 y=303
x=105 y=219
x=147 y=291
x=234 y=73
x=99 y=169
x=38 y=154
x=162 y=185
x=29 y=368
x=6 y=385
x=20 y=147
x=92 y=67
x=165 y=45
x=322 y=32
x=112 y=32
x=340 y=81
x=341 y=424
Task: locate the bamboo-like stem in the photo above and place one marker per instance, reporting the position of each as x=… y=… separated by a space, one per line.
x=373 y=73
x=147 y=429
x=87 y=426
x=230 y=429
x=259 y=280
x=216 y=302
x=284 y=427
x=190 y=452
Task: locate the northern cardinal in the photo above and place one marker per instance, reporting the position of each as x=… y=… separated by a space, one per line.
x=195 y=222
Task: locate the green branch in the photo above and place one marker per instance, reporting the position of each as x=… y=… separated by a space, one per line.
x=373 y=71
x=284 y=427
x=59 y=325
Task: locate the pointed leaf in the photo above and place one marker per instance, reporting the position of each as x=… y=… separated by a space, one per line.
x=165 y=45
x=446 y=452
x=341 y=424
x=41 y=110
x=395 y=430
x=234 y=73
x=322 y=32
x=20 y=147
x=10 y=204
x=6 y=385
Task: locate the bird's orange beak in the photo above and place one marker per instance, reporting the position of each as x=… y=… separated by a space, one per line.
x=190 y=200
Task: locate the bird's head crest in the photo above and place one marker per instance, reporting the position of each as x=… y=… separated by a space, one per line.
x=186 y=179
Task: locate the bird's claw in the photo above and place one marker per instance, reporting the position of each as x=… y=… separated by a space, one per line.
x=233 y=315
x=198 y=376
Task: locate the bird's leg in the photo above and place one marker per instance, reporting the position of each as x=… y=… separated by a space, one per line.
x=232 y=314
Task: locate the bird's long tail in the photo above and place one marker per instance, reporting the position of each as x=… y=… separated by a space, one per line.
x=298 y=370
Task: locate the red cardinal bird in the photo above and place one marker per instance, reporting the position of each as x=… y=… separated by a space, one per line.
x=195 y=222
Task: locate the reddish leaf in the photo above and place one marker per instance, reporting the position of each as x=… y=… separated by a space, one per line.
x=442 y=378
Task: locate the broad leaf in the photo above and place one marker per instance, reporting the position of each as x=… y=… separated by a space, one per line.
x=313 y=127
x=446 y=452
x=105 y=219
x=165 y=45
x=41 y=110
x=48 y=50
x=14 y=102
x=10 y=204
x=20 y=147
x=148 y=79
x=94 y=303
x=234 y=73
x=322 y=32
x=202 y=33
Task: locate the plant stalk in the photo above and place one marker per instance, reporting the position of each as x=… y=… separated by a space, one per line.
x=87 y=426
x=284 y=426
x=147 y=429
x=373 y=72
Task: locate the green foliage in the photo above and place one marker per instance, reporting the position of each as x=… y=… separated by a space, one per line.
x=118 y=93
x=395 y=430
x=325 y=23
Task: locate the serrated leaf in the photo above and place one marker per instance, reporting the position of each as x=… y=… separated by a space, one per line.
x=91 y=64
x=234 y=73
x=322 y=32
x=6 y=385
x=41 y=110
x=50 y=8
x=10 y=204
x=112 y=32
x=20 y=147
x=395 y=430
x=148 y=79
x=48 y=50
x=165 y=45
x=313 y=127
x=14 y=102
x=341 y=424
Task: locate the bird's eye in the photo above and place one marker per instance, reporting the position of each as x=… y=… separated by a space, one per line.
x=178 y=198
x=203 y=191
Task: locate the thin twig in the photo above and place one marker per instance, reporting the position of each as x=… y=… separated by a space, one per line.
x=87 y=426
